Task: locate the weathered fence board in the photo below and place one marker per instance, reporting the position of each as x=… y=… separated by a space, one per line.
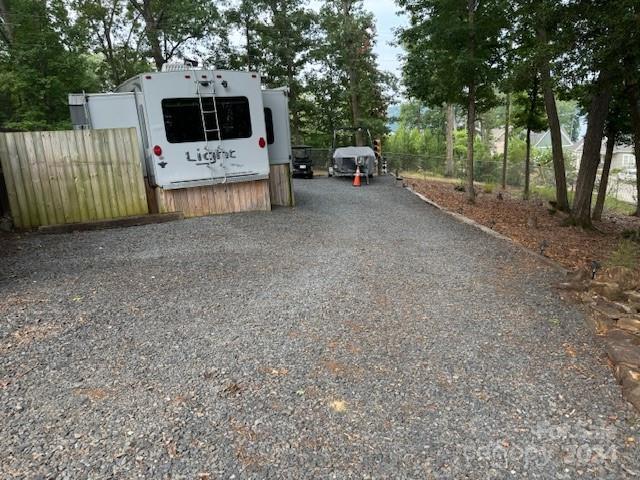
x=72 y=176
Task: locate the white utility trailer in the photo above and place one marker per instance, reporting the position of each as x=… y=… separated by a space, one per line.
x=196 y=127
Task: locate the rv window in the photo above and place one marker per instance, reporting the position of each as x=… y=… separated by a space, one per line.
x=183 y=119
x=268 y=120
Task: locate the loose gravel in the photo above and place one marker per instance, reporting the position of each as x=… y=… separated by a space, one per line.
x=361 y=334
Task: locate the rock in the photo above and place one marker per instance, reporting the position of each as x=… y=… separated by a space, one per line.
x=633 y=397
x=629 y=378
x=629 y=323
x=623 y=347
x=632 y=295
x=622 y=337
x=607 y=310
x=625 y=307
x=625 y=277
x=609 y=290
x=578 y=286
x=600 y=324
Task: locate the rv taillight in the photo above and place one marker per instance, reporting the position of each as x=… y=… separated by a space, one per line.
x=157 y=150
x=262 y=142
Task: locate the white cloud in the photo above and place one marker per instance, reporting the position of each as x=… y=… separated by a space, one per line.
x=387 y=20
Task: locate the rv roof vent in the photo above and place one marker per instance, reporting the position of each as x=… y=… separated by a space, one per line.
x=179 y=67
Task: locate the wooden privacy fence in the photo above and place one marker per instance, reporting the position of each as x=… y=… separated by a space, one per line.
x=72 y=176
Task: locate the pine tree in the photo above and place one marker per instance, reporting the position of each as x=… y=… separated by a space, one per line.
x=285 y=38
x=347 y=85
x=455 y=55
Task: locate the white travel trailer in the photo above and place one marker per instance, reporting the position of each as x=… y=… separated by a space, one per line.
x=276 y=114
x=196 y=127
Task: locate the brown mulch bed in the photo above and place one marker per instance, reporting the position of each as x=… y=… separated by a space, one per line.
x=530 y=223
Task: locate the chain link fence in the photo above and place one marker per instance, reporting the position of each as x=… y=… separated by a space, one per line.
x=320 y=158
x=489 y=171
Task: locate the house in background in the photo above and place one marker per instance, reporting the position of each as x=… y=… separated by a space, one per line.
x=622 y=179
x=623 y=161
x=539 y=140
x=542 y=140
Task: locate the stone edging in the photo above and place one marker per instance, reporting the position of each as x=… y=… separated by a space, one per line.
x=461 y=218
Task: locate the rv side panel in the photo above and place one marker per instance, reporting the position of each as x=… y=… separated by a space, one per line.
x=276 y=107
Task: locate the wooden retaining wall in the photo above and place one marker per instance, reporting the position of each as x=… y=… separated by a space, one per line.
x=72 y=176
x=280 y=185
x=215 y=199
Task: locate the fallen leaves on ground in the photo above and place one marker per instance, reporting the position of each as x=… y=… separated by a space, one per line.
x=530 y=223
x=338 y=406
x=93 y=394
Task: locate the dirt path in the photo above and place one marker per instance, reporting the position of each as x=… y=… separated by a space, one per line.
x=363 y=333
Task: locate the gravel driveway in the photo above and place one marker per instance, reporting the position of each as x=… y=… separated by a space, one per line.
x=361 y=334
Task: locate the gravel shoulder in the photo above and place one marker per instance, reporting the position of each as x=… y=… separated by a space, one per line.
x=361 y=334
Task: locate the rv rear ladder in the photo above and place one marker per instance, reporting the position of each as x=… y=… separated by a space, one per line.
x=204 y=112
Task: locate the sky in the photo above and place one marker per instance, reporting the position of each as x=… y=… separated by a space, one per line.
x=387 y=20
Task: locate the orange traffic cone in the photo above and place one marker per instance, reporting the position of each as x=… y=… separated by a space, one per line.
x=356 y=179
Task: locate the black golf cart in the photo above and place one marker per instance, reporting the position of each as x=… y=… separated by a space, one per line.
x=302 y=164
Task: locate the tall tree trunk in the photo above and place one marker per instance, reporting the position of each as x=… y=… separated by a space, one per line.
x=151 y=32
x=590 y=160
x=471 y=113
x=293 y=103
x=247 y=36
x=634 y=103
x=156 y=49
x=355 y=103
x=562 y=198
x=6 y=30
x=505 y=154
x=471 y=133
x=527 y=165
x=293 y=88
x=449 y=135
x=604 y=178
x=533 y=102
x=353 y=74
